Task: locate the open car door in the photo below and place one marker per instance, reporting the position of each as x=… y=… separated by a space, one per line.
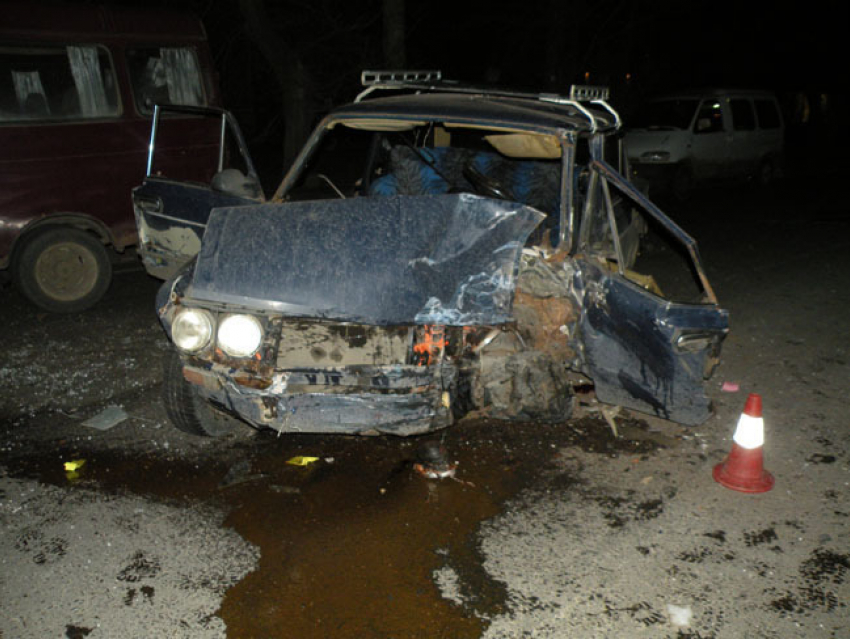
x=174 y=201
x=642 y=350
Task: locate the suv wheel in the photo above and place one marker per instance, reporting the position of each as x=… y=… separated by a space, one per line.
x=186 y=409
x=63 y=270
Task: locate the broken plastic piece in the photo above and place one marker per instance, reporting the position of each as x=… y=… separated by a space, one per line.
x=610 y=413
x=679 y=615
x=730 y=387
x=76 y=464
x=301 y=460
x=107 y=418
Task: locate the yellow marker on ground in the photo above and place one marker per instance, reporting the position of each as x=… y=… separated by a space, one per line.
x=301 y=461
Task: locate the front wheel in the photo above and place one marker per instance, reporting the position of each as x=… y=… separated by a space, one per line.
x=63 y=270
x=186 y=409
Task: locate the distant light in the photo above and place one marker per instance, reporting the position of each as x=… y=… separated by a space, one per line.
x=628 y=77
x=587 y=76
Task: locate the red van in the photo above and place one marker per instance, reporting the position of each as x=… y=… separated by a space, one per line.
x=78 y=84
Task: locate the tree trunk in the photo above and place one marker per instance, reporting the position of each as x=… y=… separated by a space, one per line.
x=290 y=75
x=394 y=49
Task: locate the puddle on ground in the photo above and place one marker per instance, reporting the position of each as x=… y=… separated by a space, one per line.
x=350 y=543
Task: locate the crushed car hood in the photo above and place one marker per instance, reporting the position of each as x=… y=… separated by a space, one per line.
x=448 y=259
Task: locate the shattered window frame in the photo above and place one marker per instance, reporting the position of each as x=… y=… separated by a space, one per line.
x=605 y=174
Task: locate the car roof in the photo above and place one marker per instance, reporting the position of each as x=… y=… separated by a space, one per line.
x=490 y=109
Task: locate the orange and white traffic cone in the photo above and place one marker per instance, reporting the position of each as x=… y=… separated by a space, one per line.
x=743 y=469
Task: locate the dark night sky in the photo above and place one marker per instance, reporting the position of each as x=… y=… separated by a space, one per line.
x=538 y=45
x=662 y=44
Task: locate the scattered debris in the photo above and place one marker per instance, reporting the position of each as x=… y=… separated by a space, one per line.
x=285 y=490
x=730 y=387
x=72 y=469
x=610 y=413
x=239 y=473
x=433 y=462
x=301 y=460
x=679 y=615
x=107 y=418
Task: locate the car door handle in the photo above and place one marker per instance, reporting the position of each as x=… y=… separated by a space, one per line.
x=149 y=204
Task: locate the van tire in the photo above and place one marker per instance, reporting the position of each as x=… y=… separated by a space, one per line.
x=63 y=270
x=187 y=410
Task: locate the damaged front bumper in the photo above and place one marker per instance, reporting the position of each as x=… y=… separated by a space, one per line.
x=397 y=400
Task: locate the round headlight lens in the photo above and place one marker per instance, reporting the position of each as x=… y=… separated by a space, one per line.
x=192 y=329
x=240 y=335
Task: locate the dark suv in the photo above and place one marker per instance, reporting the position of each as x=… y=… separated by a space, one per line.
x=434 y=249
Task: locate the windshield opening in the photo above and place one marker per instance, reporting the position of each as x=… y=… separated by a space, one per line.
x=435 y=159
x=675 y=114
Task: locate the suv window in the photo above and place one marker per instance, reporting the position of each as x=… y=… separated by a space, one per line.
x=56 y=83
x=710 y=117
x=743 y=118
x=768 y=115
x=165 y=75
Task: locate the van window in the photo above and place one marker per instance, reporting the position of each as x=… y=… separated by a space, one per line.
x=710 y=117
x=165 y=75
x=742 y=115
x=768 y=114
x=56 y=83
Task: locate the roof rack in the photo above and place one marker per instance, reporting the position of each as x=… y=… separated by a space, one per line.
x=433 y=81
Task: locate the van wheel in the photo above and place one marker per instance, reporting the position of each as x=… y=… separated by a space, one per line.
x=186 y=409
x=63 y=270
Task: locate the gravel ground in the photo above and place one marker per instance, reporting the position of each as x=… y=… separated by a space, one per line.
x=78 y=563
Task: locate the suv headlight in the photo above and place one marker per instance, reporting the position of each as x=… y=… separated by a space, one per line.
x=240 y=335
x=192 y=329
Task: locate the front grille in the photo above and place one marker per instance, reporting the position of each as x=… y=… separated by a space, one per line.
x=305 y=344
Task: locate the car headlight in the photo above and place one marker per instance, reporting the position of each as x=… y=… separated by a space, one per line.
x=655 y=156
x=192 y=329
x=240 y=335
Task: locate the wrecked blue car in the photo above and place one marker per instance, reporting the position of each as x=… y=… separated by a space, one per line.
x=434 y=250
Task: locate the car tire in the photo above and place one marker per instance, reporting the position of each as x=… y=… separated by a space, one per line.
x=63 y=270
x=187 y=410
